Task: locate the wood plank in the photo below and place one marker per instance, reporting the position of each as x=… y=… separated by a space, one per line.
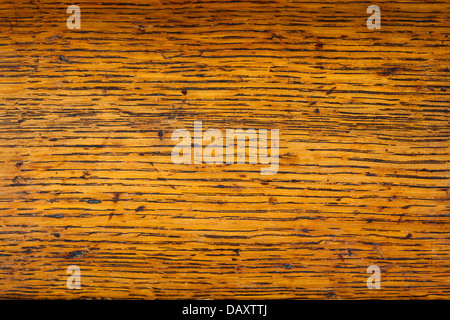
x=87 y=179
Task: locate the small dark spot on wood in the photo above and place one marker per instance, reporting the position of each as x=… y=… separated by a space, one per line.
x=139 y=209
x=349 y=252
x=116 y=196
x=94 y=201
x=18 y=180
x=160 y=134
x=389 y=71
x=331 y=295
x=408 y=236
x=28 y=251
x=319 y=46
x=140 y=28
x=56 y=234
x=76 y=254
x=19 y=164
x=276 y=36
x=330 y=91
x=272 y=200
x=85 y=173
x=53 y=139
x=62 y=58
x=316 y=110
x=184 y=92
x=236 y=250
x=287 y=266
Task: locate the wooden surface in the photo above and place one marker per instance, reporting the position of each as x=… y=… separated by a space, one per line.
x=86 y=176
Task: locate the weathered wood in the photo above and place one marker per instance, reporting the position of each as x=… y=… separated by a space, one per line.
x=86 y=176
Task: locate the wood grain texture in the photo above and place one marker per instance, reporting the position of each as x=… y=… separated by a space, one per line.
x=86 y=176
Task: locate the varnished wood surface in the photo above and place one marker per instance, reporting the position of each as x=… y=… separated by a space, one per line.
x=86 y=176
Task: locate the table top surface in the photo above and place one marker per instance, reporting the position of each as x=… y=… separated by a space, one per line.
x=87 y=175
